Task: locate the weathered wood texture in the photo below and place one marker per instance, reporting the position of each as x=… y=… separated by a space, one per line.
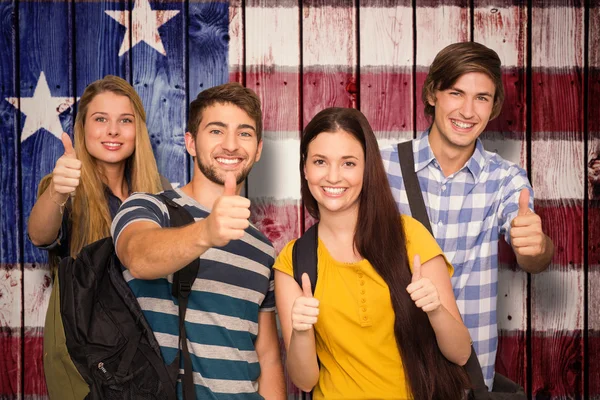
x=557 y=163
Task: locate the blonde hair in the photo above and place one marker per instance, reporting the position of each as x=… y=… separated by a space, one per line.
x=90 y=217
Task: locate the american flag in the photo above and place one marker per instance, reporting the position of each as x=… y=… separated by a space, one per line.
x=300 y=57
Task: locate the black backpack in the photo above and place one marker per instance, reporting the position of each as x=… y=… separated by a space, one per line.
x=304 y=259
x=108 y=339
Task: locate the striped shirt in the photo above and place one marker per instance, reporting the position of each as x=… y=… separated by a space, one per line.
x=468 y=211
x=234 y=283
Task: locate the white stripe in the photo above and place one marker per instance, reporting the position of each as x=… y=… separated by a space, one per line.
x=437 y=27
x=208 y=351
x=209 y=286
x=329 y=36
x=557 y=169
x=512 y=300
x=218 y=255
x=277 y=175
x=557 y=300
x=272 y=36
x=11 y=306
x=502 y=30
x=224 y=385
x=236 y=37
x=37 y=294
x=509 y=149
x=390 y=37
x=557 y=34
x=199 y=317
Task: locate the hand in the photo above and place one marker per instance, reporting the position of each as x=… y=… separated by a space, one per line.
x=305 y=309
x=526 y=233
x=67 y=171
x=229 y=217
x=422 y=291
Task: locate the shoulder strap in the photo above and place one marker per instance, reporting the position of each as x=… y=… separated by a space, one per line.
x=304 y=256
x=182 y=287
x=411 y=183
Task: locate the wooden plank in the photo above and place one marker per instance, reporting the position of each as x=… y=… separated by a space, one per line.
x=502 y=27
x=11 y=267
x=236 y=42
x=386 y=68
x=158 y=56
x=437 y=26
x=557 y=302
x=273 y=72
x=593 y=176
x=45 y=102
x=329 y=59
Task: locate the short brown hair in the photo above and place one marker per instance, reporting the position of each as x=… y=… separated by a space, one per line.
x=232 y=93
x=458 y=59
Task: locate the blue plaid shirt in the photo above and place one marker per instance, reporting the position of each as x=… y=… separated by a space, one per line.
x=468 y=211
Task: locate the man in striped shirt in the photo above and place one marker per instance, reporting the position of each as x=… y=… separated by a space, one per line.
x=230 y=320
x=472 y=196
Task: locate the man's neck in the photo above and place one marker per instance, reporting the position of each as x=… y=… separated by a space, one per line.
x=451 y=158
x=205 y=191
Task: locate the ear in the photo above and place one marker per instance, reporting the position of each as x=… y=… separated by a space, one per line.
x=431 y=99
x=190 y=144
x=259 y=151
x=304 y=168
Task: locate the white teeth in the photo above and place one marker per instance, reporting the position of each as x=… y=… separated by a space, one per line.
x=462 y=124
x=334 y=190
x=228 y=160
x=113 y=145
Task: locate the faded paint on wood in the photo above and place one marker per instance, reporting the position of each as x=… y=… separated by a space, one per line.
x=437 y=27
x=386 y=69
x=159 y=76
x=503 y=28
x=557 y=164
x=236 y=42
x=11 y=280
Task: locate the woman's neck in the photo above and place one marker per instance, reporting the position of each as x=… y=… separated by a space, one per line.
x=114 y=176
x=337 y=230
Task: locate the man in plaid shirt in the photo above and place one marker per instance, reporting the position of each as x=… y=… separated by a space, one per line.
x=472 y=196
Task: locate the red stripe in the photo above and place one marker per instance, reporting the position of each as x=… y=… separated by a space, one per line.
x=323 y=89
x=511 y=356
x=594 y=363
x=279 y=222
x=10 y=364
x=563 y=223
x=35 y=382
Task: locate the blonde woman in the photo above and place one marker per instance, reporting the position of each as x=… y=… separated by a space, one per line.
x=112 y=158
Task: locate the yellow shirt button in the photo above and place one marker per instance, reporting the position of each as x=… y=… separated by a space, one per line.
x=364 y=309
x=362 y=283
x=362 y=300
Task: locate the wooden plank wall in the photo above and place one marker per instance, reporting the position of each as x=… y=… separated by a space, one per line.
x=300 y=57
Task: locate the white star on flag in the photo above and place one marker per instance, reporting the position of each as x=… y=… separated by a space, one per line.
x=145 y=22
x=42 y=110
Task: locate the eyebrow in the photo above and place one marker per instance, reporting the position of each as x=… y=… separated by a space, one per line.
x=103 y=113
x=224 y=125
x=343 y=157
x=478 y=94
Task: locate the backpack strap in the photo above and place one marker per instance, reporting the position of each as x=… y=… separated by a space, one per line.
x=419 y=212
x=182 y=287
x=304 y=256
x=411 y=183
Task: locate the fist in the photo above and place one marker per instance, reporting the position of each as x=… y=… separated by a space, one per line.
x=229 y=217
x=67 y=171
x=305 y=309
x=422 y=291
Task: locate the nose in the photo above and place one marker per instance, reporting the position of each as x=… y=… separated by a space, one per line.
x=333 y=174
x=230 y=142
x=467 y=108
x=113 y=128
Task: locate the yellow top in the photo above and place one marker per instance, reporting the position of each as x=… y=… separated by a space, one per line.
x=355 y=337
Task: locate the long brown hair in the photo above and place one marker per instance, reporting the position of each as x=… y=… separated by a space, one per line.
x=90 y=217
x=380 y=238
x=458 y=59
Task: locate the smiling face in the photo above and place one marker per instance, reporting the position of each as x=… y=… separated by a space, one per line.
x=334 y=170
x=110 y=128
x=462 y=111
x=226 y=141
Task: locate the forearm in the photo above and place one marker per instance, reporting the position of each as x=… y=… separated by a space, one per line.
x=538 y=263
x=452 y=335
x=45 y=218
x=271 y=384
x=301 y=362
x=155 y=253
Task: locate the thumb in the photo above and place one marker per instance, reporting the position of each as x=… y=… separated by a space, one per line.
x=416 y=268
x=68 y=145
x=230 y=184
x=524 y=202
x=306 y=287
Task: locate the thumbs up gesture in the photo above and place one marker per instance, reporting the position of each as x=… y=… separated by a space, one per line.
x=422 y=291
x=305 y=309
x=67 y=171
x=229 y=216
x=526 y=233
